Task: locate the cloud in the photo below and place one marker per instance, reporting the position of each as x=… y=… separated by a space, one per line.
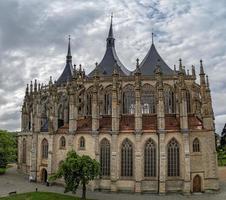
x=33 y=41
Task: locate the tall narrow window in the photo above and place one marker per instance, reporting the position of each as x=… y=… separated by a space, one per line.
x=24 y=151
x=62 y=142
x=196 y=147
x=89 y=104
x=60 y=116
x=44 y=118
x=107 y=103
x=105 y=157
x=45 y=149
x=169 y=101
x=128 y=100
x=188 y=99
x=150 y=159
x=148 y=99
x=173 y=158
x=82 y=143
x=127 y=159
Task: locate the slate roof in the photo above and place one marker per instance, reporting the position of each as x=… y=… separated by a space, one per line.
x=110 y=60
x=68 y=69
x=148 y=65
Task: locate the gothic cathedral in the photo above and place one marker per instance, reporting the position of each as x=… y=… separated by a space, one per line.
x=151 y=129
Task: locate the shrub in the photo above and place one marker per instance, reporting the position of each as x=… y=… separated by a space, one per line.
x=2 y=170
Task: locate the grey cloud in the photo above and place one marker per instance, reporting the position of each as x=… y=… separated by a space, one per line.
x=33 y=41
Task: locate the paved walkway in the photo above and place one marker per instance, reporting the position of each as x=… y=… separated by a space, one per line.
x=12 y=181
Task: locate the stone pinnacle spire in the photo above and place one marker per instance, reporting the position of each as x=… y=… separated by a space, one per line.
x=110 y=38
x=69 y=57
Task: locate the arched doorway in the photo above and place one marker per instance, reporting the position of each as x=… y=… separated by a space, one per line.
x=44 y=175
x=197 y=184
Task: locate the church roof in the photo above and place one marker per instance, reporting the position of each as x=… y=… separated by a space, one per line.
x=68 y=69
x=151 y=60
x=110 y=60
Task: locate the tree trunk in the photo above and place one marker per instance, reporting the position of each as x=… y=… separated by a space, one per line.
x=84 y=191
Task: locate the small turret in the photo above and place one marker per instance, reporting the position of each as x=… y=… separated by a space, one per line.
x=31 y=88
x=180 y=66
x=193 y=71
x=137 y=71
x=35 y=86
x=27 y=90
x=50 y=81
x=202 y=74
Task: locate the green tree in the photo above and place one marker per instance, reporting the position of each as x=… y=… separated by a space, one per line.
x=8 y=148
x=77 y=170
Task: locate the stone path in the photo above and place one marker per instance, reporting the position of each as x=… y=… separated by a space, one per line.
x=12 y=181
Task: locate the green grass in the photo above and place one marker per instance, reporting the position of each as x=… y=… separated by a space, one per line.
x=40 y=196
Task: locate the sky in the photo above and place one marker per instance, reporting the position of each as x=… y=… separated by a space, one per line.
x=34 y=37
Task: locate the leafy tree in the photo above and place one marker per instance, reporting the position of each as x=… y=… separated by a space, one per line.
x=77 y=170
x=8 y=148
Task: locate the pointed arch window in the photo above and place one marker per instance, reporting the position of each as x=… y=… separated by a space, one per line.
x=63 y=111
x=173 y=158
x=24 y=151
x=105 y=157
x=150 y=159
x=169 y=100
x=127 y=159
x=82 y=143
x=60 y=116
x=148 y=99
x=128 y=100
x=45 y=149
x=44 y=118
x=196 y=146
x=89 y=102
x=62 y=142
x=108 y=101
x=188 y=99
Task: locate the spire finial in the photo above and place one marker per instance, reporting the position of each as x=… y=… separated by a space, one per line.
x=201 y=68
x=110 y=38
x=152 y=38
x=69 y=57
x=111 y=17
x=180 y=65
x=138 y=65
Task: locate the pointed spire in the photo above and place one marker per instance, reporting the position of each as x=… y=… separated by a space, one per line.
x=27 y=90
x=110 y=38
x=180 y=65
x=31 y=87
x=201 y=68
x=50 y=80
x=193 y=71
x=69 y=57
x=137 y=71
x=202 y=74
x=35 y=86
x=152 y=38
x=110 y=34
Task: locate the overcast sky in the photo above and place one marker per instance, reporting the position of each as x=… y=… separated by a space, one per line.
x=33 y=41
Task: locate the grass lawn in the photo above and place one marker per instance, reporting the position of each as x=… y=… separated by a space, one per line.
x=40 y=196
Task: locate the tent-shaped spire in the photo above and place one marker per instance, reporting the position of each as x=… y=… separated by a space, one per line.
x=110 y=60
x=68 y=69
x=148 y=65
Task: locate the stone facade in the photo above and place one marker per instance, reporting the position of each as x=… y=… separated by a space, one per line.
x=97 y=107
